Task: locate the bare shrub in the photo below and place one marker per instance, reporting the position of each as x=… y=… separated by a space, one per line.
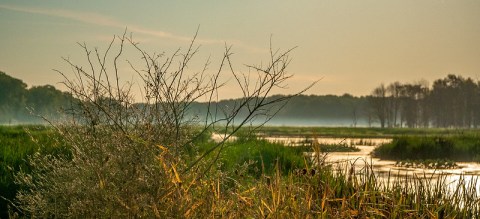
x=133 y=159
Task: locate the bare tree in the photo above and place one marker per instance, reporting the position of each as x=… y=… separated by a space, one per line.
x=393 y=109
x=134 y=159
x=379 y=104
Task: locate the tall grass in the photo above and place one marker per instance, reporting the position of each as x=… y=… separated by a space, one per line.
x=318 y=191
x=340 y=194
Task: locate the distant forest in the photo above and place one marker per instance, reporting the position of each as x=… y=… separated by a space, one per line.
x=451 y=102
x=312 y=110
x=19 y=104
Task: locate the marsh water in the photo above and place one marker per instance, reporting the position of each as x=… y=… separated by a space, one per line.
x=386 y=171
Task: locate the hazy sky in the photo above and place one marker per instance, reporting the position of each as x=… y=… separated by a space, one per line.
x=351 y=45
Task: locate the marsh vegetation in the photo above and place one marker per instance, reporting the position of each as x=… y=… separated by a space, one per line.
x=255 y=178
x=464 y=147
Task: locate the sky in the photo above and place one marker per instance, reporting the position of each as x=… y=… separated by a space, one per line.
x=350 y=46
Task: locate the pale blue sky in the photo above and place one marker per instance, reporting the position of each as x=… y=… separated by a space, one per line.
x=352 y=45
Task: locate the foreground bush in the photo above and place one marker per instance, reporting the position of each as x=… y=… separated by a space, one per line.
x=130 y=159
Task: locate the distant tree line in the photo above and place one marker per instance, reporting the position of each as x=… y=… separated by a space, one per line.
x=304 y=110
x=344 y=110
x=451 y=102
x=20 y=104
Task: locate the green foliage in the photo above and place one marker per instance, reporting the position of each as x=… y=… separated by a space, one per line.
x=12 y=93
x=455 y=147
x=47 y=100
x=17 y=103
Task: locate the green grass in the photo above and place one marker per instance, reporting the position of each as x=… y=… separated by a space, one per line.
x=258 y=157
x=464 y=147
x=16 y=144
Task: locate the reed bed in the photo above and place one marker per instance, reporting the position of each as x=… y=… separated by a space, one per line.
x=417 y=195
x=319 y=192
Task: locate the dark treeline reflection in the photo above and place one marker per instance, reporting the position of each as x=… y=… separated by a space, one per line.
x=451 y=102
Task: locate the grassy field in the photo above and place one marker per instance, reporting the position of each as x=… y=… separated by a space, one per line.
x=255 y=178
x=359 y=132
x=16 y=144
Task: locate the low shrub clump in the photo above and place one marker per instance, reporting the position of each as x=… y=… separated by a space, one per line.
x=455 y=147
x=261 y=156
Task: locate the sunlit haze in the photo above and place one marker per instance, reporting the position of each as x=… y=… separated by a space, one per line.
x=351 y=46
